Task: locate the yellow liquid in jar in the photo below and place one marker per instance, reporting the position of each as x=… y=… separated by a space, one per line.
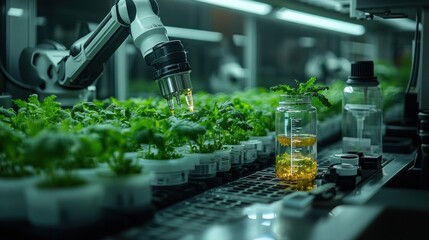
x=299 y=166
x=301 y=185
x=298 y=141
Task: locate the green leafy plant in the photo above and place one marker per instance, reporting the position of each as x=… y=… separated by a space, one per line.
x=6 y=115
x=193 y=132
x=89 y=147
x=307 y=89
x=259 y=119
x=335 y=98
x=113 y=142
x=52 y=150
x=211 y=139
x=61 y=180
x=154 y=133
x=232 y=123
x=11 y=160
x=34 y=116
x=86 y=114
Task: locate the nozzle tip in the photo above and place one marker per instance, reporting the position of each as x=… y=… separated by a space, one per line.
x=179 y=103
x=170 y=103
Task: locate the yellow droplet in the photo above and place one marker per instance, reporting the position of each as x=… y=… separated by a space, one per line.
x=189 y=99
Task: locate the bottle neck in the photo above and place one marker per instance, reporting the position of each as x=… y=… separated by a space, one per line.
x=355 y=83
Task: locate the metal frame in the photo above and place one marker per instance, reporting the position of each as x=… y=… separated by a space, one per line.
x=423 y=78
x=17 y=40
x=379 y=7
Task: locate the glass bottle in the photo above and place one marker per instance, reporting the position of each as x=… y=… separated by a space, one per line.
x=296 y=139
x=362 y=111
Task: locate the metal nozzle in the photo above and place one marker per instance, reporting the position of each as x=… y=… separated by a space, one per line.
x=172 y=70
x=173 y=86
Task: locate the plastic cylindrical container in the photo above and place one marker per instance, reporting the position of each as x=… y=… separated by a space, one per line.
x=168 y=172
x=224 y=159
x=267 y=143
x=352 y=159
x=205 y=165
x=237 y=154
x=127 y=192
x=251 y=148
x=64 y=207
x=362 y=116
x=296 y=139
x=12 y=201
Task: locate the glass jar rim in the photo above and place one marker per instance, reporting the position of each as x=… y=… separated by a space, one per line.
x=295 y=98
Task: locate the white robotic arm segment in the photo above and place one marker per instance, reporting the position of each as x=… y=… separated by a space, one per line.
x=83 y=65
x=82 y=54
x=109 y=34
x=147 y=29
x=122 y=10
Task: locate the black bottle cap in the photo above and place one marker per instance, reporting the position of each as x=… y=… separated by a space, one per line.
x=362 y=74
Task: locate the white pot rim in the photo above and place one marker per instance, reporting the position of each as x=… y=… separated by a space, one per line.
x=170 y=165
x=202 y=158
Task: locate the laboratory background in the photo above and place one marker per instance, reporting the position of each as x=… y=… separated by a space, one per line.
x=214 y=119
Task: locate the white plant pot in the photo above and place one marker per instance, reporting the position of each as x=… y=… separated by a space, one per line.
x=168 y=172
x=251 y=148
x=13 y=205
x=126 y=192
x=272 y=148
x=267 y=146
x=65 y=207
x=237 y=154
x=224 y=160
x=205 y=165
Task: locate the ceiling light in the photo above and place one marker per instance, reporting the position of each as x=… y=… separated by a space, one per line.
x=15 y=12
x=194 y=34
x=242 y=5
x=319 y=22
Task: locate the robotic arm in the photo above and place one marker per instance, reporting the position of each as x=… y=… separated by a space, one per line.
x=61 y=72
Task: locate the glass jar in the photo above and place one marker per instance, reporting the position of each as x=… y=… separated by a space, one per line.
x=296 y=139
x=362 y=115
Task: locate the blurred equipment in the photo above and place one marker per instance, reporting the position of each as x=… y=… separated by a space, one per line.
x=51 y=69
x=362 y=111
x=419 y=79
x=370 y=9
x=229 y=77
x=327 y=67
